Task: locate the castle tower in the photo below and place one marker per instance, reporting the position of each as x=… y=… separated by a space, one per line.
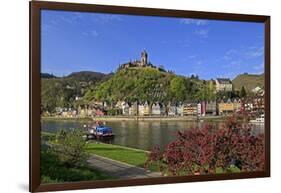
x=143 y=58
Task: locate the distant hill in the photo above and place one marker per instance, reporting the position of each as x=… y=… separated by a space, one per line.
x=249 y=81
x=87 y=76
x=63 y=91
x=47 y=75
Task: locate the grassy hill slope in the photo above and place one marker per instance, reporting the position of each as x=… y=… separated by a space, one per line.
x=249 y=81
x=144 y=84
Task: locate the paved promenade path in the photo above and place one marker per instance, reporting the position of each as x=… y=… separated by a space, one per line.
x=119 y=169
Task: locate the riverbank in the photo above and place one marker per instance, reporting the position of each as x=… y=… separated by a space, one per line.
x=140 y=118
x=123 y=154
x=47 y=118
x=108 y=155
x=156 y=118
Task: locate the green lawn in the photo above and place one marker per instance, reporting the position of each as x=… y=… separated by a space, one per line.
x=130 y=156
x=123 y=154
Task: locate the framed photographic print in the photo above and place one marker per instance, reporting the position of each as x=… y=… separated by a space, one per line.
x=123 y=96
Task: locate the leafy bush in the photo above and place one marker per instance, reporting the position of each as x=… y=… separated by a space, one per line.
x=207 y=150
x=52 y=170
x=113 y=112
x=70 y=147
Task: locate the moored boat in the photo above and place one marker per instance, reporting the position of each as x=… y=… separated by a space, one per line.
x=99 y=132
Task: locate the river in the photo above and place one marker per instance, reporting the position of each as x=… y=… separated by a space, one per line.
x=139 y=134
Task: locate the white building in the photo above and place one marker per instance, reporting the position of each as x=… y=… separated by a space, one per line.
x=144 y=109
x=223 y=84
x=179 y=110
x=133 y=109
x=156 y=109
x=199 y=110
x=172 y=110
x=125 y=108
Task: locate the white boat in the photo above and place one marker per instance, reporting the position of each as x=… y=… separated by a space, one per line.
x=259 y=119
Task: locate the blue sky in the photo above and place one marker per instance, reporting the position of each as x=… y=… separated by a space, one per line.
x=77 y=41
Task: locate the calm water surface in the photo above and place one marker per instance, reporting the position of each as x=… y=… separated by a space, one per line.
x=139 y=134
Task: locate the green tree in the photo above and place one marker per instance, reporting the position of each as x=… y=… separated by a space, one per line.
x=243 y=92
x=135 y=85
x=178 y=89
x=206 y=92
x=70 y=147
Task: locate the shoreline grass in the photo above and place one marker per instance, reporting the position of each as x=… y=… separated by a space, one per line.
x=135 y=157
x=132 y=156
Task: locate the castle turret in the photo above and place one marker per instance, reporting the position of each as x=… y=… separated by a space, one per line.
x=144 y=58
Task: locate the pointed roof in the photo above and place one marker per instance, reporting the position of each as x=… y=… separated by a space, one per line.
x=224 y=80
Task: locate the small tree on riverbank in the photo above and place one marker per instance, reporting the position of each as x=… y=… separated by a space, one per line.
x=207 y=150
x=243 y=92
x=70 y=147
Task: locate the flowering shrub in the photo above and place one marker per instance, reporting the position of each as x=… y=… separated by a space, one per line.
x=207 y=150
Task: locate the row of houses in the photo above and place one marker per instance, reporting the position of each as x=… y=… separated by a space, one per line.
x=81 y=111
x=185 y=109
x=203 y=108
x=223 y=107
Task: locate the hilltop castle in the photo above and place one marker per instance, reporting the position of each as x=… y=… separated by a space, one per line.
x=143 y=62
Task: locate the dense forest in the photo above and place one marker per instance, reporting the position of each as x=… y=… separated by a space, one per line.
x=145 y=85
x=63 y=91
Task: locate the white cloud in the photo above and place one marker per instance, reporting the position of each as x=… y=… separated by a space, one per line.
x=198 y=22
x=69 y=18
x=107 y=18
x=255 y=52
x=199 y=62
x=259 y=68
x=92 y=33
x=72 y=19
x=47 y=28
x=250 y=52
x=191 y=56
x=230 y=54
x=236 y=63
x=78 y=14
x=202 y=33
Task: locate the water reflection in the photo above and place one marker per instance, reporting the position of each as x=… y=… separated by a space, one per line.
x=140 y=134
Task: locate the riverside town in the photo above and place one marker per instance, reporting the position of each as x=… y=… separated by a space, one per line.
x=215 y=98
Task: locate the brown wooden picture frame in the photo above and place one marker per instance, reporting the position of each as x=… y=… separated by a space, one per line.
x=35 y=97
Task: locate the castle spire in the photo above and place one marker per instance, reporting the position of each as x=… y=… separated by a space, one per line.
x=144 y=57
